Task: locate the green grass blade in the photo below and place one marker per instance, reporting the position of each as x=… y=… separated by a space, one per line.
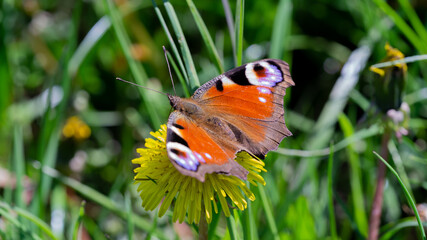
x=5 y=213
x=407 y=195
x=416 y=96
x=360 y=135
x=324 y=127
x=360 y=214
x=400 y=167
x=230 y=26
x=49 y=138
x=137 y=70
x=409 y=59
x=281 y=28
x=420 y=29
x=248 y=222
x=185 y=50
x=102 y=200
x=78 y=222
x=19 y=164
x=128 y=206
x=231 y=227
x=6 y=80
x=360 y=100
x=213 y=225
x=171 y=42
x=87 y=45
x=58 y=209
x=37 y=221
x=268 y=212
x=180 y=77
x=95 y=34
x=332 y=223
x=402 y=25
x=395 y=228
x=213 y=53
x=239 y=23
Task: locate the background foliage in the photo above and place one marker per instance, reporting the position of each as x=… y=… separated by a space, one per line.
x=59 y=59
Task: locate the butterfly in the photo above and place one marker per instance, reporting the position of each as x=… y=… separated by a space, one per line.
x=239 y=110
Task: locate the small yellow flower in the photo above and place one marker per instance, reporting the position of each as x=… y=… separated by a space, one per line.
x=161 y=183
x=75 y=127
x=392 y=55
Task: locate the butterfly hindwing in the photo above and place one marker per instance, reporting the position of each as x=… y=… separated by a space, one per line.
x=195 y=151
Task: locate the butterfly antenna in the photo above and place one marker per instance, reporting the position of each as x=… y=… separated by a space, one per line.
x=141 y=86
x=170 y=73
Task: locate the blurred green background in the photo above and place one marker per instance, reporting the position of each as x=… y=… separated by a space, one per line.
x=69 y=129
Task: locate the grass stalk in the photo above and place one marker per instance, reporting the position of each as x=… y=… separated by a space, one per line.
x=268 y=212
x=332 y=222
x=185 y=50
x=49 y=138
x=137 y=70
x=6 y=211
x=402 y=25
x=102 y=200
x=357 y=136
x=375 y=219
x=232 y=228
x=355 y=178
x=230 y=26
x=180 y=76
x=407 y=195
x=129 y=220
x=239 y=23
x=19 y=165
x=171 y=42
x=77 y=224
x=213 y=53
x=6 y=82
x=203 y=225
x=418 y=26
x=281 y=28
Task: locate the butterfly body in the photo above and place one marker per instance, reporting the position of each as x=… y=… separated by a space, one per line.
x=240 y=110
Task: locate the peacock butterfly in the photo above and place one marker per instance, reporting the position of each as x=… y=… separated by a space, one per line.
x=240 y=110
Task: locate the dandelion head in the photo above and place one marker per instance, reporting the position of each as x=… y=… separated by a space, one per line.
x=160 y=183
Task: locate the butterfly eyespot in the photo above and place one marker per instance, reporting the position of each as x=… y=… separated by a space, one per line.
x=258 y=67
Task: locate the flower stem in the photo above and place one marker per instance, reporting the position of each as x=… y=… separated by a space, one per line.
x=203 y=225
x=375 y=219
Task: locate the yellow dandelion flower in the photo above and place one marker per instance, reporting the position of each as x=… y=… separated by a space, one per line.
x=392 y=54
x=76 y=128
x=161 y=183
